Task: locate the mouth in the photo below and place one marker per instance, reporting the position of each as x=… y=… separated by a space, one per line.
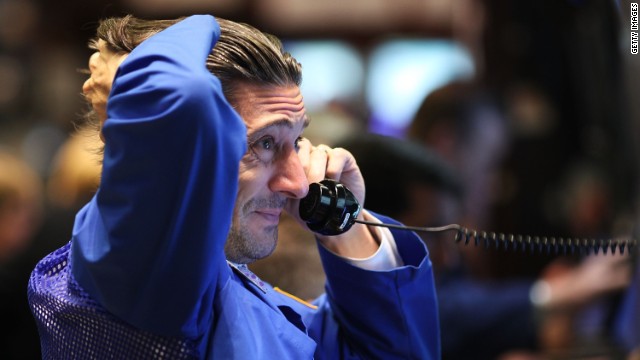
x=270 y=216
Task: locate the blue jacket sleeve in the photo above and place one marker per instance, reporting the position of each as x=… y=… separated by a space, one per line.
x=379 y=314
x=149 y=246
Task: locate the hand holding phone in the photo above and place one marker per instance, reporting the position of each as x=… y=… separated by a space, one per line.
x=336 y=189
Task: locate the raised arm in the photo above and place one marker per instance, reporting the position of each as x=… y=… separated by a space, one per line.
x=150 y=242
x=379 y=304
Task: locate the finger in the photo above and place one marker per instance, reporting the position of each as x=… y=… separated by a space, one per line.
x=340 y=162
x=304 y=154
x=317 y=164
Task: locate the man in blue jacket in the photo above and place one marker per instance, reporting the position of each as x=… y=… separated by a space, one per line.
x=202 y=122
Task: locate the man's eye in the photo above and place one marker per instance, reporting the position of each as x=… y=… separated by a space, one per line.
x=266 y=144
x=264 y=148
x=297 y=143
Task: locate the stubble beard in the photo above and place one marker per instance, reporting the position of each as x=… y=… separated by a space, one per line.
x=244 y=246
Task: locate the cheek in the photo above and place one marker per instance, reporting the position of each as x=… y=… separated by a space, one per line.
x=253 y=178
x=246 y=183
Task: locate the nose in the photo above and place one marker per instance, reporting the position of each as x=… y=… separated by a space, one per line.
x=93 y=59
x=92 y=66
x=289 y=177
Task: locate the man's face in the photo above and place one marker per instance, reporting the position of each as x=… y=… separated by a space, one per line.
x=103 y=65
x=270 y=171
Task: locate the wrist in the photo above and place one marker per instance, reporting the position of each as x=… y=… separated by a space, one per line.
x=359 y=242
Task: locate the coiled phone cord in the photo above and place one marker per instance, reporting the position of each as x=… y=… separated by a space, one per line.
x=541 y=244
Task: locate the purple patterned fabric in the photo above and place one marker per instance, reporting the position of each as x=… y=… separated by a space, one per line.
x=73 y=326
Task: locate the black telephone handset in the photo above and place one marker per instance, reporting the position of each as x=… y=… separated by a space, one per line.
x=330 y=208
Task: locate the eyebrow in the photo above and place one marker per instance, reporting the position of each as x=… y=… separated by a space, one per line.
x=278 y=123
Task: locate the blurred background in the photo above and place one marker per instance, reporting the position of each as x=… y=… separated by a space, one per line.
x=530 y=105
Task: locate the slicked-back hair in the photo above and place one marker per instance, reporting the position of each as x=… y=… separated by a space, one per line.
x=243 y=54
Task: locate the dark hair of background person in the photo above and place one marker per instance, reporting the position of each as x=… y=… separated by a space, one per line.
x=21 y=216
x=389 y=164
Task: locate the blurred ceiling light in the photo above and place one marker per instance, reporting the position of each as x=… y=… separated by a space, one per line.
x=403 y=72
x=331 y=70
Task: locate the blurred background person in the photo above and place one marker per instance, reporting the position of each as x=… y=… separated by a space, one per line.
x=21 y=211
x=480 y=318
x=21 y=197
x=75 y=170
x=461 y=123
x=509 y=190
x=35 y=218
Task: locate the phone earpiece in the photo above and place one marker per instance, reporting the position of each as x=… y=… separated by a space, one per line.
x=329 y=208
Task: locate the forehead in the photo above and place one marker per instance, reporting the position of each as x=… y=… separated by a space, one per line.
x=260 y=105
